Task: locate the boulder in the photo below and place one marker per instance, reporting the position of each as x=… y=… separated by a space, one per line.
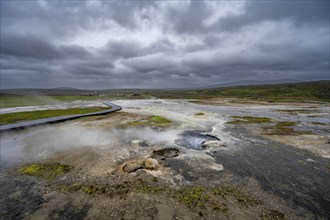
x=151 y=164
x=133 y=165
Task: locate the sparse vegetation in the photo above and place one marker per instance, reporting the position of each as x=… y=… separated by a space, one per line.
x=144 y=187
x=155 y=121
x=241 y=197
x=91 y=189
x=196 y=197
x=284 y=128
x=200 y=113
x=271 y=214
x=296 y=92
x=193 y=196
x=286 y=123
x=45 y=170
x=318 y=123
x=249 y=120
x=298 y=111
x=222 y=207
x=33 y=115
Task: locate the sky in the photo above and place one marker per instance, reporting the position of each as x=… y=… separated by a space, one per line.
x=161 y=44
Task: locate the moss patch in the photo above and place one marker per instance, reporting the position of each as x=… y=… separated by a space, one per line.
x=298 y=111
x=91 y=189
x=284 y=128
x=199 y=198
x=318 y=123
x=271 y=214
x=102 y=189
x=193 y=196
x=45 y=170
x=286 y=123
x=154 y=121
x=249 y=120
x=200 y=113
x=241 y=197
x=222 y=207
x=144 y=187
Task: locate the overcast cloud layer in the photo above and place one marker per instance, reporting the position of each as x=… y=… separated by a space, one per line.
x=161 y=44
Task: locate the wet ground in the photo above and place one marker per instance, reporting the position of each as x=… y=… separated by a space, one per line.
x=265 y=176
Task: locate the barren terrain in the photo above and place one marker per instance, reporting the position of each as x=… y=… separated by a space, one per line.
x=171 y=159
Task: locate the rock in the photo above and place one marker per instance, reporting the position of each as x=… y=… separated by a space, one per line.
x=133 y=165
x=212 y=144
x=166 y=153
x=151 y=164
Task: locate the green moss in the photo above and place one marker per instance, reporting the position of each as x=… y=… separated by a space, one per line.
x=271 y=214
x=46 y=170
x=91 y=189
x=286 y=123
x=155 y=121
x=71 y=188
x=241 y=197
x=283 y=128
x=318 y=123
x=222 y=207
x=143 y=187
x=138 y=123
x=33 y=115
x=159 y=119
x=104 y=189
x=249 y=120
x=297 y=111
x=200 y=113
x=138 y=186
x=197 y=198
x=193 y=196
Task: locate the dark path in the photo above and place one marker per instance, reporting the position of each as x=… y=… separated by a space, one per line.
x=25 y=124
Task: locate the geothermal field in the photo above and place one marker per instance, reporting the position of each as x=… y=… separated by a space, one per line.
x=164 y=109
x=170 y=159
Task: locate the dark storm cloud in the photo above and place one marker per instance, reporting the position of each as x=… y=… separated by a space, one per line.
x=123 y=49
x=190 y=19
x=299 y=12
x=27 y=46
x=30 y=46
x=107 y=44
x=89 y=68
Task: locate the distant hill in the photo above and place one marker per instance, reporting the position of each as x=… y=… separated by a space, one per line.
x=60 y=91
x=275 y=90
x=287 y=92
x=252 y=82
